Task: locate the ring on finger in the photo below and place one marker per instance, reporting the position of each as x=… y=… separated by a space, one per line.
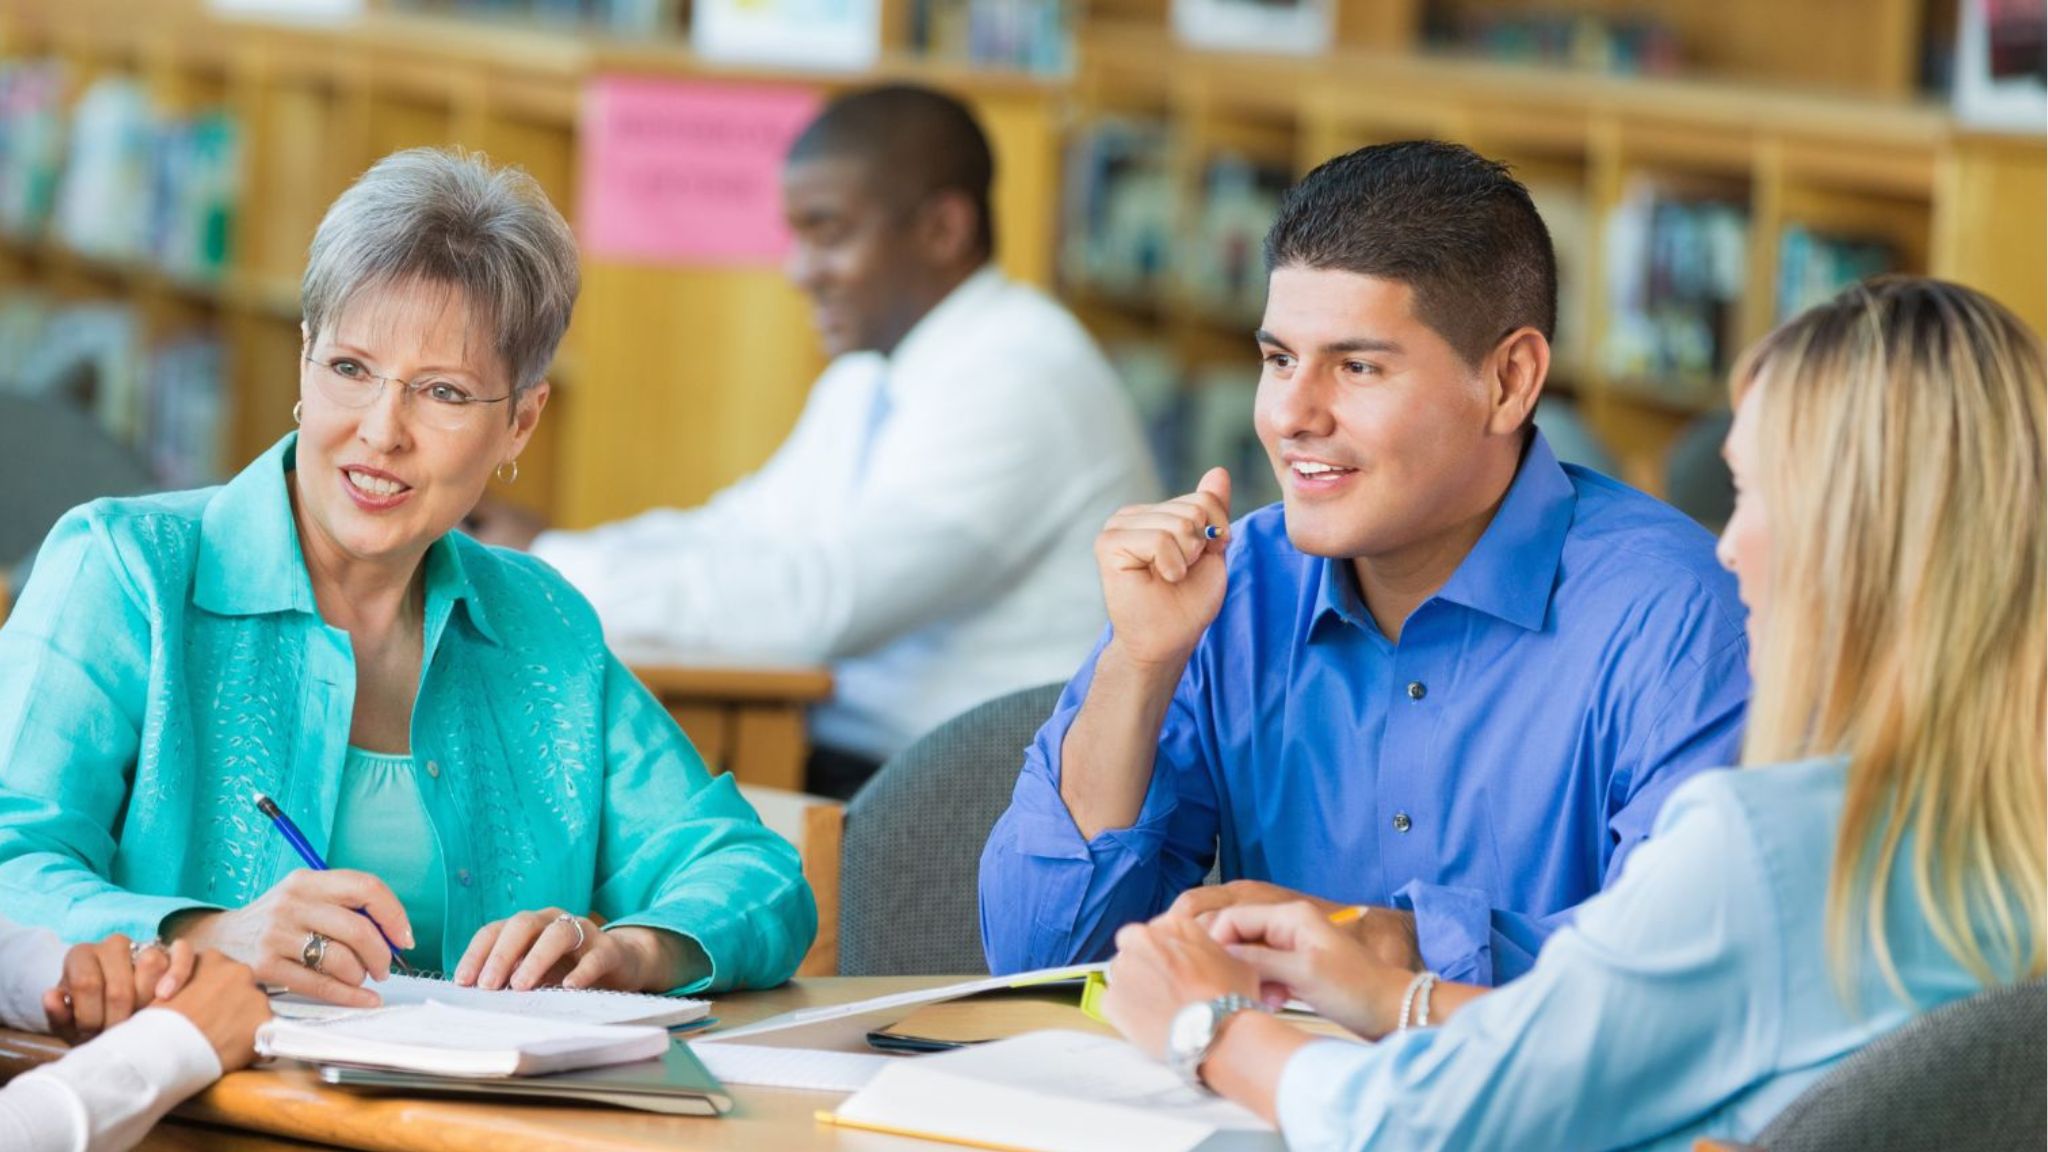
x=577 y=924
x=314 y=952
x=137 y=947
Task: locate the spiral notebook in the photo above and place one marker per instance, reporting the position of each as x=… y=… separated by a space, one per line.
x=577 y=1005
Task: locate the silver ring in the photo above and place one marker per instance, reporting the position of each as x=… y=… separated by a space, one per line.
x=314 y=953
x=137 y=947
x=577 y=924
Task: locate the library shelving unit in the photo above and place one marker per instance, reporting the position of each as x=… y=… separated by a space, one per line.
x=1850 y=161
x=676 y=380
x=672 y=382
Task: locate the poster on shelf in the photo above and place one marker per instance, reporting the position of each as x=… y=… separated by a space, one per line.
x=1294 y=27
x=836 y=34
x=686 y=172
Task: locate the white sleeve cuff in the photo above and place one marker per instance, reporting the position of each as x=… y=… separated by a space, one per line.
x=31 y=962
x=117 y=1087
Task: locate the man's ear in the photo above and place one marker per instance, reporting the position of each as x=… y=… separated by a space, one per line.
x=1515 y=374
x=948 y=228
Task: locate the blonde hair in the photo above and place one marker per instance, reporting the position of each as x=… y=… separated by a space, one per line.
x=1900 y=441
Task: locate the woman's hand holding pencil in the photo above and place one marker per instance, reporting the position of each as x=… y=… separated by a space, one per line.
x=318 y=932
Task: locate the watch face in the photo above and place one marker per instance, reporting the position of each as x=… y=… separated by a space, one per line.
x=1191 y=1029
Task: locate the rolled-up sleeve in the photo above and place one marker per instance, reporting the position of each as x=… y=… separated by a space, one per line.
x=684 y=852
x=1050 y=898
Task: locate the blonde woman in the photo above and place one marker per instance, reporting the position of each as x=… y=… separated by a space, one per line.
x=1882 y=854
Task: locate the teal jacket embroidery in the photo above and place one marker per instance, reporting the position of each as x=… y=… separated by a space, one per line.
x=165 y=662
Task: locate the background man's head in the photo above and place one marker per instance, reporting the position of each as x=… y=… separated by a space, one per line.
x=1406 y=338
x=887 y=194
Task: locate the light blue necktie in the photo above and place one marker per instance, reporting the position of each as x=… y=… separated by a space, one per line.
x=878 y=415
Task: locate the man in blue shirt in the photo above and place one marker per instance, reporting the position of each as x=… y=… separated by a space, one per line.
x=1447 y=676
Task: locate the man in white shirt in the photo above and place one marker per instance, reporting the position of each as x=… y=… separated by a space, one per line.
x=928 y=526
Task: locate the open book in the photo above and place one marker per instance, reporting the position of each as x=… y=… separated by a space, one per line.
x=1052 y=1091
x=447 y=1041
x=576 y=1005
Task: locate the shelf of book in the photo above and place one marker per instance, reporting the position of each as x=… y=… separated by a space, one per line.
x=686 y=377
x=1690 y=216
x=1139 y=185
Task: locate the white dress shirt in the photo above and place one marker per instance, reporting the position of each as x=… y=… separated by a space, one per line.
x=946 y=563
x=106 y=1095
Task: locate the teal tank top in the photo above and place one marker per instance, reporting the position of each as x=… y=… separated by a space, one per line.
x=381 y=827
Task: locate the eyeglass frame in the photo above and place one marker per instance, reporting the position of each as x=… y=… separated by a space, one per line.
x=412 y=388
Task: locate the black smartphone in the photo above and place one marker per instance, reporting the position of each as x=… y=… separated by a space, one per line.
x=883 y=1041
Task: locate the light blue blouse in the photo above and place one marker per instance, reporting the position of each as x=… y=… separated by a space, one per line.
x=1692 y=999
x=382 y=826
x=166 y=661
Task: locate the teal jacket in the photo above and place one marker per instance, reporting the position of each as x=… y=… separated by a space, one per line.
x=165 y=662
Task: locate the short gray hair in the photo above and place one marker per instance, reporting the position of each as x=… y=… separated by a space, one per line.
x=447 y=217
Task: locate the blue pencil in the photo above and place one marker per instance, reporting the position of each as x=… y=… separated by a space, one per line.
x=297 y=840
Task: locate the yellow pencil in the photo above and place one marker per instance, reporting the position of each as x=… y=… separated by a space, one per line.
x=1347 y=915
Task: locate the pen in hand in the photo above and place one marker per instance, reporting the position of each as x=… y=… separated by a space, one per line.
x=297 y=840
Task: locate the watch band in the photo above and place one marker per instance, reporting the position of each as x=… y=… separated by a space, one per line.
x=1221 y=1009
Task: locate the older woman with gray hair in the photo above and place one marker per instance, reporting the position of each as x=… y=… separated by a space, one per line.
x=493 y=792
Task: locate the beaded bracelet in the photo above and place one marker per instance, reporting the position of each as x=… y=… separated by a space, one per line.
x=1418 y=992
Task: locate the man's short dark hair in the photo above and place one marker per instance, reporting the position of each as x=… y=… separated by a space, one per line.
x=1455 y=227
x=915 y=143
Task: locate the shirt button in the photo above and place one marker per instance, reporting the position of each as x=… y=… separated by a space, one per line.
x=434 y=769
x=1402 y=823
x=1416 y=690
x=462 y=877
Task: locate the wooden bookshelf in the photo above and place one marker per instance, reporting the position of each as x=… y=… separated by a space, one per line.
x=1950 y=202
x=674 y=381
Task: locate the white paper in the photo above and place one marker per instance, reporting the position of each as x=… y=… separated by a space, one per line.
x=1086 y=1066
x=292 y=11
x=575 y=1005
x=436 y=1038
x=1054 y=1091
x=809 y=1069
x=792 y=33
x=891 y=1006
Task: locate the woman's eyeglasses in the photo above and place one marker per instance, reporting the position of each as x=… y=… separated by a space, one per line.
x=439 y=401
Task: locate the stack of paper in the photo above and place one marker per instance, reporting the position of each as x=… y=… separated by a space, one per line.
x=806 y=1069
x=447 y=1041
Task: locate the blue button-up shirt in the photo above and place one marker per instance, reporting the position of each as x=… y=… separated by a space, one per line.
x=1489 y=771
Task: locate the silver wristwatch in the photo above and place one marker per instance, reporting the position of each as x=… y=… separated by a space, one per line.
x=1194 y=1029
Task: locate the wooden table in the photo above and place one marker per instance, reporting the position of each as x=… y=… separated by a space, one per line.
x=286 y=1107
x=747 y=719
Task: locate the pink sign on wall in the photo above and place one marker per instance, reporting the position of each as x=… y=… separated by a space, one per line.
x=680 y=172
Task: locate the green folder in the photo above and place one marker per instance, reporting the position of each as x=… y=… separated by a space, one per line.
x=677 y=1084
